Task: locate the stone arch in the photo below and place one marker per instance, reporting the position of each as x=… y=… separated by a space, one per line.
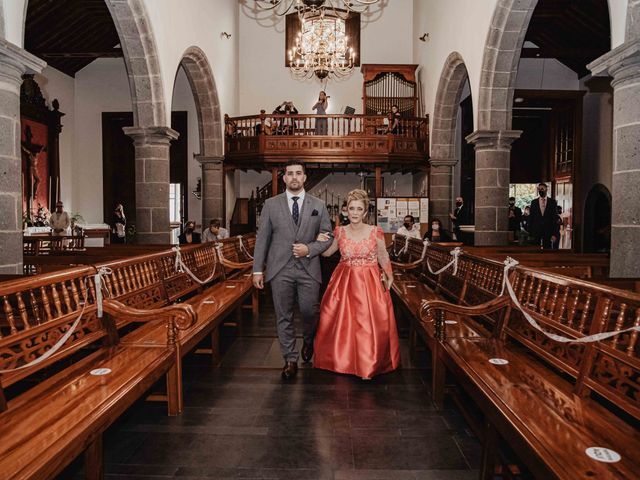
x=443 y=135
x=502 y=50
x=200 y=77
x=452 y=80
x=141 y=59
x=2 y=27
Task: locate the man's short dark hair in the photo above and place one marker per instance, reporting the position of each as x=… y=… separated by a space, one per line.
x=413 y=220
x=512 y=198
x=292 y=163
x=214 y=223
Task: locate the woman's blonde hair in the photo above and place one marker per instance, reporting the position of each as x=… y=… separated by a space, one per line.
x=358 y=195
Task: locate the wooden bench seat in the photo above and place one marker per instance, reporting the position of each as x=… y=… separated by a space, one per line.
x=48 y=427
x=44 y=427
x=539 y=415
x=586 y=388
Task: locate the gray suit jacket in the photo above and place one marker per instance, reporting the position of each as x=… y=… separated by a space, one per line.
x=277 y=233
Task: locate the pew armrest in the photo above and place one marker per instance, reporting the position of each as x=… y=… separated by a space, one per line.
x=178 y=317
x=406 y=266
x=491 y=306
x=236 y=265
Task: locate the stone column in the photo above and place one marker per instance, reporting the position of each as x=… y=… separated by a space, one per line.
x=152 y=182
x=14 y=62
x=441 y=188
x=623 y=64
x=212 y=188
x=493 y=154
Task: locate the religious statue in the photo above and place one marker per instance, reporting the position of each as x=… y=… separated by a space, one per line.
x=31 y=151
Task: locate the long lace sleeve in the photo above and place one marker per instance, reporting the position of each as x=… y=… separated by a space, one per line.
x=383 y=255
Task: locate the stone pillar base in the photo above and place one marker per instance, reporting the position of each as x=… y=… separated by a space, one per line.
x=623 y=64
x=152 y=182
x=493 y=151
x=212 y=188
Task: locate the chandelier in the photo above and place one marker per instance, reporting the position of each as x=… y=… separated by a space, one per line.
x=321 y=48
x=340 y=8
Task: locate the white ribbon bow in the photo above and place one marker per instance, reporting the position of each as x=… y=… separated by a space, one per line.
x=97 y=278
x=455 y=253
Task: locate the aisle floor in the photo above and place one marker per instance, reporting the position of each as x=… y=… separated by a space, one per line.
x=242 y=421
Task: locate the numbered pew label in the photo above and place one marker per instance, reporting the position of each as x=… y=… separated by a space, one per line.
x=498 y=361
x=603 y=454
x=411 y=286
x=98 y=372
x=450 y=322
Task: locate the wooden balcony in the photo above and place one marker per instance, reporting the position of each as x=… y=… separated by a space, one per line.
x=351 y=142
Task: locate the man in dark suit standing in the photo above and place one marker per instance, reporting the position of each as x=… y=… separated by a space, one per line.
x=460 y=216
x=543 y=219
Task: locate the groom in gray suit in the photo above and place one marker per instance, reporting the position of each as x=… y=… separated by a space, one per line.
x=286 y=242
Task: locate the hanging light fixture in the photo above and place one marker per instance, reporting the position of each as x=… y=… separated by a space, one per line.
x=339 y=8
x=321 y=48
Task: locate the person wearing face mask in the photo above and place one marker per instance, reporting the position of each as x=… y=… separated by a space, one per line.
x=344 y=215
x=460 y=216
x=189 y=235
x=436 y=233
x=408 y=228
x=515 y=217
x=543 y=220
x=59 y=220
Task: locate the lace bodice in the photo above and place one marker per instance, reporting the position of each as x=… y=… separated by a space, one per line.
x=368 y=251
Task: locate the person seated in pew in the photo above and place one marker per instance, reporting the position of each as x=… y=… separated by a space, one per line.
x=119 y=225
x=215 y=232
x=437 y=233
x=409 y=227
x=189 y=235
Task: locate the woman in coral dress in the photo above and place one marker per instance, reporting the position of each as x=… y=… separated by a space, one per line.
x=357 y=330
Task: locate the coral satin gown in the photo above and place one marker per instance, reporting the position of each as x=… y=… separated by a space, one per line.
x=357 y=330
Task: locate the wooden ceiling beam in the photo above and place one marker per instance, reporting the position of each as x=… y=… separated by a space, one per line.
x=115 y=53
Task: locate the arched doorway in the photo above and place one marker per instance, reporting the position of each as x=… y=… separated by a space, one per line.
x=200 y=76
x=597 y=220
x=445 y=139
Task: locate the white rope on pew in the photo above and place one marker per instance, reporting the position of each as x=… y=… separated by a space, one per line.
x=98 y=282
x=403 y=250
x=455 y=253
x=180 y=267
x=102 y=272
x=243 y=248
x=509 y=263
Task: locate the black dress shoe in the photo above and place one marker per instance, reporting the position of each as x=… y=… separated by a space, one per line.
x=289 y=371
x=307 y=352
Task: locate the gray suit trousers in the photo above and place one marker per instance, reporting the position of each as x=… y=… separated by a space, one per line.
x=290 y=283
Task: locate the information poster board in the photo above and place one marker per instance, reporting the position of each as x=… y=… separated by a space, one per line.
x=391 y=212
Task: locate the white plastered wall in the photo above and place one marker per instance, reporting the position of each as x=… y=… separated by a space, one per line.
x=265 y=81
x=462 y=26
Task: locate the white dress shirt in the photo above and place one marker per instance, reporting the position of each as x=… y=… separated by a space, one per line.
x=290 y=200
x=414 y=232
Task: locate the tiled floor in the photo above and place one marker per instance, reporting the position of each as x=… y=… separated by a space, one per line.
x=242 y=421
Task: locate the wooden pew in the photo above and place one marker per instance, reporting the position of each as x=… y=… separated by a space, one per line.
x=553 y=400
x=44 y=427
x=158 y=283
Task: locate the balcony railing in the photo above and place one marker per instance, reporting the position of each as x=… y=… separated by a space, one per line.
x=271 y=138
